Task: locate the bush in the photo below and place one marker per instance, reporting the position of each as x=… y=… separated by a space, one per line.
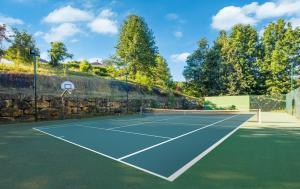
x=73 y=64
x=100 y=71
x=85 y=66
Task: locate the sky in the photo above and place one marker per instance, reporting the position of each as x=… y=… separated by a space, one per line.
x=90 y=28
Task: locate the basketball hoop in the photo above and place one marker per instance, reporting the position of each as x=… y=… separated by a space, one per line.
x=67 y=87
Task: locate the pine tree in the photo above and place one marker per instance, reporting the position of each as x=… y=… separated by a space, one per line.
x=162 y=73
x=136 y=46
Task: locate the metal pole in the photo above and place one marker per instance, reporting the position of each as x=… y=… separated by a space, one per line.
x=127 y=92
x=292 y=86
x=35 y=90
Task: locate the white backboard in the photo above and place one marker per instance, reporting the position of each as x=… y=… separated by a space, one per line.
x=67 y=85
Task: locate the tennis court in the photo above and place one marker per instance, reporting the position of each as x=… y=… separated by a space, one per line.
x=164 y=144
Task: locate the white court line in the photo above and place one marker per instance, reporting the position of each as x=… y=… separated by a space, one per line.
x=180 y=136
x=57 y=126
x=140 y=123
x=179 y=123
x=135 y=133
x=110 y=157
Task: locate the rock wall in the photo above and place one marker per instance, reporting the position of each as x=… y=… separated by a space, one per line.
x=17 y=100
x=19 y=107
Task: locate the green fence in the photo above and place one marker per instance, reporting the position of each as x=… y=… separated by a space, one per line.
x=227 y=102
x=293 y=102
x=265 y=103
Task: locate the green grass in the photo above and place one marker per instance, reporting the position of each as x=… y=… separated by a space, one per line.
x=259 y=158
x=44 y=69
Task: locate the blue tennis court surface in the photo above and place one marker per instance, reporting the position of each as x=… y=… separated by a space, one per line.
x=162 y=145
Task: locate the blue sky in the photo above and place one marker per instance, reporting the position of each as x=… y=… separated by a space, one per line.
x=89 y=28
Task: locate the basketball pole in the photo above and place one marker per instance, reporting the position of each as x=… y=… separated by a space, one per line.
x=127 y=91
x=34 y=52
x=35 y=91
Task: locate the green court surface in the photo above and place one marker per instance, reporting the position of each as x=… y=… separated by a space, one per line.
x=162 y=145
x=256 y=156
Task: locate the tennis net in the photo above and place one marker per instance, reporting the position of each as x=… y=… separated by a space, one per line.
x=253 y=114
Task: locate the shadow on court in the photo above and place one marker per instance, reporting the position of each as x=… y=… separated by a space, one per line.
x=259 y=157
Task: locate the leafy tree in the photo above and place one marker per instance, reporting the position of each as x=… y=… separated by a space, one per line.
x=115 y=67
x=58 y=53
x=194 y=72
x=143 y=79
x=239 y=63
x=100 y=71
x=281 y=45
x=73 y=64
x=162 y=73
x=136 y=46
x=240 y=58
x=3 y=37
x=18 y=52
x=85 y=66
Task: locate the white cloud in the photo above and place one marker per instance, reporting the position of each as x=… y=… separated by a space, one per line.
x=44 y=55
x=179 y=58
x=278 y=9
x=68 y=14
x=295 y=22
x=38 y=34
x=10 y=21
x=104 y=23
x=254 y=12
x=178 y=34
x=230 y=16
x=61 y=32
x=107 y=13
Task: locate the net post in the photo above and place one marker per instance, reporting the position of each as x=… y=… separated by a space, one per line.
x=259 y=116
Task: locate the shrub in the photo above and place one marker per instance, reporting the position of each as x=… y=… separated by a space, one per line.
x=73 y=64
x=85 y=66
x=100 y=71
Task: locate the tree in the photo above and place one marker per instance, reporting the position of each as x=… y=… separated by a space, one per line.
x=240 y=58
x=136 y=46
x=162 y=73
x=85 y=66
x=18 y=52
x=281 y=45
x=58 y=53
x=3 y=37
x=193 y=72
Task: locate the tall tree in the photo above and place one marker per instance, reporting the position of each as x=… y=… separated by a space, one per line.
x=281 y=54
x=241 y=60
x=18 y=52
x=162 y=72
x=194 y=72
x=3 y=37
x=136 y=46
x=58 y=53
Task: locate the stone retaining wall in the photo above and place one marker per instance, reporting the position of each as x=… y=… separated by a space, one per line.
x=17 y=100
x=19 y=107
